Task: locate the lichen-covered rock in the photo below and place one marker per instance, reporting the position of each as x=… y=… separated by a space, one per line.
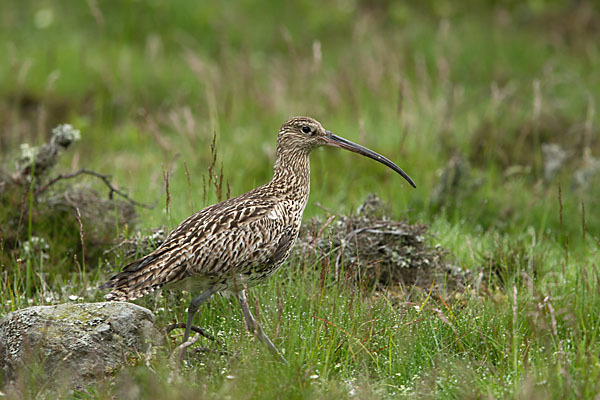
x=74 y=343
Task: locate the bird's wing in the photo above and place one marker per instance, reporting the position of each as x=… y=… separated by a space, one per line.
x=198 y=240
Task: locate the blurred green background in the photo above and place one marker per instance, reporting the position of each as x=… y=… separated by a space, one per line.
x=148 y=81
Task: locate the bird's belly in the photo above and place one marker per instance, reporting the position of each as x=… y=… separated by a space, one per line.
x=256 y=275
x=198 y=283
x=233 y=281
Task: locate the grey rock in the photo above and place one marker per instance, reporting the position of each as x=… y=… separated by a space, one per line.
x=75 y=343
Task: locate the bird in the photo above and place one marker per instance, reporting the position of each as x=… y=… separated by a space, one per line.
x=231 y=246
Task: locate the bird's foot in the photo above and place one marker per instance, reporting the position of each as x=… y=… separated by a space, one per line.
x=193 y=328
x=180 y=352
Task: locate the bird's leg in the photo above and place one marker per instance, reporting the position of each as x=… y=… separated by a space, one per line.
x=193 y=307
x=254 y=326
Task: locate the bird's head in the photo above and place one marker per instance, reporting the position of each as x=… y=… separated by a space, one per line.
x=305 y=134
x=301 y=133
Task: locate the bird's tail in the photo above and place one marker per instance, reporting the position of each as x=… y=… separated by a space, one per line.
x=136 y=280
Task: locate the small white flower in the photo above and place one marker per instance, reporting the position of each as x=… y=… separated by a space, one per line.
x=28 y=152
x=65 y=134
x=35 y=247
x=314 y=376
x=73 y=297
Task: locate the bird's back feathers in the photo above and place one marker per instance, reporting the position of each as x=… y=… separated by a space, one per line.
x=247 y=236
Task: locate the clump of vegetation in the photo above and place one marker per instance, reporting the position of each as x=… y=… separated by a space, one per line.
x=456 y=181
x=368 y=247
x=43 y=210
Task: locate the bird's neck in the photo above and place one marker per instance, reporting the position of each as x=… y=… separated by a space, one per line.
x=291 y=175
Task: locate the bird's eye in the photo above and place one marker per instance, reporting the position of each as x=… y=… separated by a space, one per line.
x=306 y=129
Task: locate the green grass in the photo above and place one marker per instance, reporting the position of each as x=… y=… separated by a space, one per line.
x=150 y=84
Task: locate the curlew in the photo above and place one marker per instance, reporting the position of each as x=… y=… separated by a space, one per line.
x=235 y=244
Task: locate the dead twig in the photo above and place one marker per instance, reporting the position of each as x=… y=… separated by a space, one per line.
x=103 y=177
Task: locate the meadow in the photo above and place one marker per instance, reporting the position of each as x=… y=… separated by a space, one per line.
x=465 y=96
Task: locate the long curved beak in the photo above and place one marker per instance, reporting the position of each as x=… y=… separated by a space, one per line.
x=337 y=141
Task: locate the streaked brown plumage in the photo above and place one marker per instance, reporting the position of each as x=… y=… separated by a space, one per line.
x=235 y=244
